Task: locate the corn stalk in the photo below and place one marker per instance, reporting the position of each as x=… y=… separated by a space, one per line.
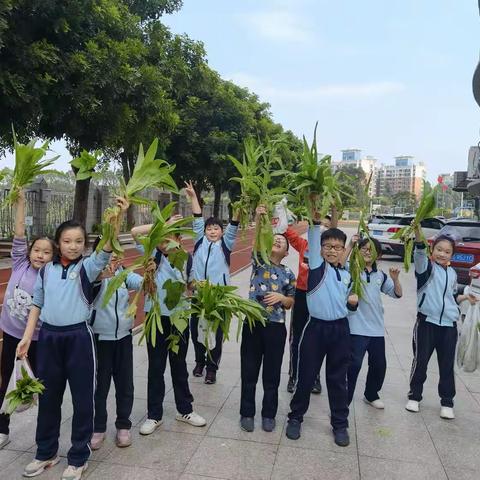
x=406 y=235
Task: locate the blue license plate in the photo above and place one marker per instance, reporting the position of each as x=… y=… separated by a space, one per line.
x=378 y=233
x=463 y=258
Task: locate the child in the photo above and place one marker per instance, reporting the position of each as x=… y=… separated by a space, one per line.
x=300 y=312
x=65 y=350
x=157 y=355
x=273 y=287
x=26 y=262
x=326 y=332
x=367 y=324
x=113 y=340
x=211 y=261
x=436 y=327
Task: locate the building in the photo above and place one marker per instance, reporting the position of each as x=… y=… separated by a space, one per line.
x=353 y=157
x=404 y=176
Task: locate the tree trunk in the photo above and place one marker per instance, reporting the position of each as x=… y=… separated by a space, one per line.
x=217 y=189
x=127 y=168
x=80 y=204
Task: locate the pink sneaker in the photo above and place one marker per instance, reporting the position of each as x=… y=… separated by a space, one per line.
x=124 y=438
x=97 y=440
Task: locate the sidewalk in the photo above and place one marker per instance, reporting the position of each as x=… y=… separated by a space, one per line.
x=390 y=444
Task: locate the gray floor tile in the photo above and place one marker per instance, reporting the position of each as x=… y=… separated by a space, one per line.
x=168 y=451
x=107 y=471
x=234 y=459
x=382 y=469
x=461 y=474
x=300 y=464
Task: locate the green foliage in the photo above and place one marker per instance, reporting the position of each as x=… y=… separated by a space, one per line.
x=29 y=163
x=314 y=185
x=357 y=263
x=85 y=165
x=425 y=210
x=148 y=172
x=218 y=305
x=24 y=393
x=256 y=184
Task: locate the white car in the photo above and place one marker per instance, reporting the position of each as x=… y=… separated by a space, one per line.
x=383 y=227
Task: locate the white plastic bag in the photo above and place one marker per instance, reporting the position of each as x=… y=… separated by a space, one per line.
x=12 y=384
x=468 y=350
x=280 y=217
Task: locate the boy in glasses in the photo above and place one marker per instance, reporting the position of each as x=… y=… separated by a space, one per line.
x=367 y=323
x=326 y=333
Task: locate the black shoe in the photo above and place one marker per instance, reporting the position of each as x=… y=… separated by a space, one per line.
x=247 y=424
x=317 y=386
x=198 y=370
x=341 y=437
x=291 y=385
x=211 y=377
x=268 y=424
x=293 y=429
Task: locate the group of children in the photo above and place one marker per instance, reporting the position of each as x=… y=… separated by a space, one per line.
x=87 y=344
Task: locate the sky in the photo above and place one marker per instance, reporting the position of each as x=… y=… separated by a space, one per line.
x=388 y=77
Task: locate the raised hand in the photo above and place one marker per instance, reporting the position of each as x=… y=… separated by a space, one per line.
x=394 y=273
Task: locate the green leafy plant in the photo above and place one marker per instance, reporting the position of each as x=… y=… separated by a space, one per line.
x=148 y=172
x=29 y=163
x=163 y=232
x=85 y=164
x=24 y=393
x=256 y=172
x=357 y=263
x=217 y=305
x=314 y=185
x=406 y=235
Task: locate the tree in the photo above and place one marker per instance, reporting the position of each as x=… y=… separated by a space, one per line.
x=406 y=200
x=353 y=181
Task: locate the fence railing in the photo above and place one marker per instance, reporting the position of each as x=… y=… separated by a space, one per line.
x=46 y=209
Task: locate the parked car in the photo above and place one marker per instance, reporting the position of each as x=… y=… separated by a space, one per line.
x=383 y=227
x=466 y=234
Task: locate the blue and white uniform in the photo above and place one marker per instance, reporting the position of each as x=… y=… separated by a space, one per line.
x=436 y=326
x=66 y=352
x=325 y=334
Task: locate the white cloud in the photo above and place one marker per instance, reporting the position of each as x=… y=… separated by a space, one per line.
x=279 y=25
x=269 y=92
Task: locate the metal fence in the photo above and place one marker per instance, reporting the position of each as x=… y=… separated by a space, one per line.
x=59 y=209
x=7 y=214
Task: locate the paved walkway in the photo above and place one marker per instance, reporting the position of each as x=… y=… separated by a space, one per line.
x=390 y=444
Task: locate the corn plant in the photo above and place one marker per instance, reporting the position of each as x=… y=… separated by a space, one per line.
x=24 y=393
x=29 y=163
x=357 y=263
x=163 y=232
x=406 y=235
x=260 y=164
x=314 y=185
x=217 y=305
x=148 y=172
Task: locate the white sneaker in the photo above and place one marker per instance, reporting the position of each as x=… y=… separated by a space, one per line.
x=149 y=426
x=36 y=467
x=4 y=440
x=375 y=404
x=412 y=406
x=447 y=413
x=191 y=418
x=74 y=473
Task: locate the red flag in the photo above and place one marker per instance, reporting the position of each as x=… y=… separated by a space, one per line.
x=440 y=179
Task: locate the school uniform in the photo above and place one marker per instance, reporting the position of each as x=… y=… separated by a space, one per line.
x=66 y=352
x=157 y=355
x=300 y=311
x=113 y=339
x=436 y=326
x=211 y=261
x=367 y=333
x=326 y=334
x=265 y=344
x=17 y=303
